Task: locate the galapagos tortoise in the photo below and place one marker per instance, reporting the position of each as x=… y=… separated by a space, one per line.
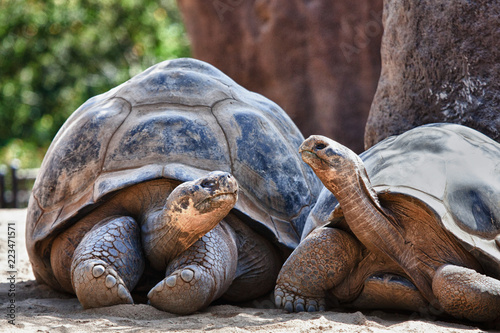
x=419 y=226
x=100 y=204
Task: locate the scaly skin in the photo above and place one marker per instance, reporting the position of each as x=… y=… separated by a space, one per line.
x=320 y=262
x=199 y=275
x=465 y=293
x=230 y=261
x=108 y=263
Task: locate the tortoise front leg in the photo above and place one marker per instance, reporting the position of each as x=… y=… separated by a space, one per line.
x=319 y=263
x=465 y=293
x=200 y=275
x=108 y=263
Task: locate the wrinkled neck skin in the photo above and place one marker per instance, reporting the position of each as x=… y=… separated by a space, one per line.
x=368 y=221
x=161 y=237
x=362 y=210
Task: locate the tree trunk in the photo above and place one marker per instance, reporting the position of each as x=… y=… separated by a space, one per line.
x=318 y=59
x=440 y=63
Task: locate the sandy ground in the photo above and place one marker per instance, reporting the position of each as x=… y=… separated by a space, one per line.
x=40 y=309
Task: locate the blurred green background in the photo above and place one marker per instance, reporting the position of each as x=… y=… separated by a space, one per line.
x=56 y=54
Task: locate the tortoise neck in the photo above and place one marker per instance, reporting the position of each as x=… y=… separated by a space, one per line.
x=364 y=214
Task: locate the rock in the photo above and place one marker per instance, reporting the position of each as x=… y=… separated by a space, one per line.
x=318 y=59
x=440 y=63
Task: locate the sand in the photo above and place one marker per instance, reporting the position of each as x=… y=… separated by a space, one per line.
x=40 y=309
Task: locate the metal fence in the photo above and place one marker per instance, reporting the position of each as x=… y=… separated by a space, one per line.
x=15 y=185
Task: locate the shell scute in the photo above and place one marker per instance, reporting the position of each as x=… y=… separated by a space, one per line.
x=162 y=138
x=77 y=154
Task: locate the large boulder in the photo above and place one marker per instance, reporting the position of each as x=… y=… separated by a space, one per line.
x=440 y=63
x=319 y=60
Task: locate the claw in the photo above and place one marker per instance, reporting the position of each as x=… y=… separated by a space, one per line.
x=110 y=281
x=313 y=306
x=277 y=301
x=123 y=292
x=288 y=306
x=98 y=270
x=171 y=281
x=187 y=275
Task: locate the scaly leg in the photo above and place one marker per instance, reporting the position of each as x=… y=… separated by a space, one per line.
x=200 y=275
x=320 y=262
x=465 y=293
x=108 y=263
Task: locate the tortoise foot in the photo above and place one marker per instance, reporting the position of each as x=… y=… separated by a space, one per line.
x=200 y=275
x=293 y=302
x=107 y=263
x=184 y=291
x=97 y=284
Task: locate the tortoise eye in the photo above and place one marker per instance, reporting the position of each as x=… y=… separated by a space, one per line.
x=208 y=184
x=320 y=146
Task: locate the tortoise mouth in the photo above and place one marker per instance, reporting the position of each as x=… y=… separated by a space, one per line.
x=313 y=159
x=308 y=153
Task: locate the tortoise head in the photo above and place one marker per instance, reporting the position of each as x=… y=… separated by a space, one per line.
x=214 y=195
x=191 y=210
x=330 y=160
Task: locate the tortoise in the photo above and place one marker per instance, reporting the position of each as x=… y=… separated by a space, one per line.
x=144 y=178
x=417 y=226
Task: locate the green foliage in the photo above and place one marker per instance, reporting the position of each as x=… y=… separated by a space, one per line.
x=55 y=54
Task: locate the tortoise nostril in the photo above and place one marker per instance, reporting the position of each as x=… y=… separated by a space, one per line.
x=320 y=146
